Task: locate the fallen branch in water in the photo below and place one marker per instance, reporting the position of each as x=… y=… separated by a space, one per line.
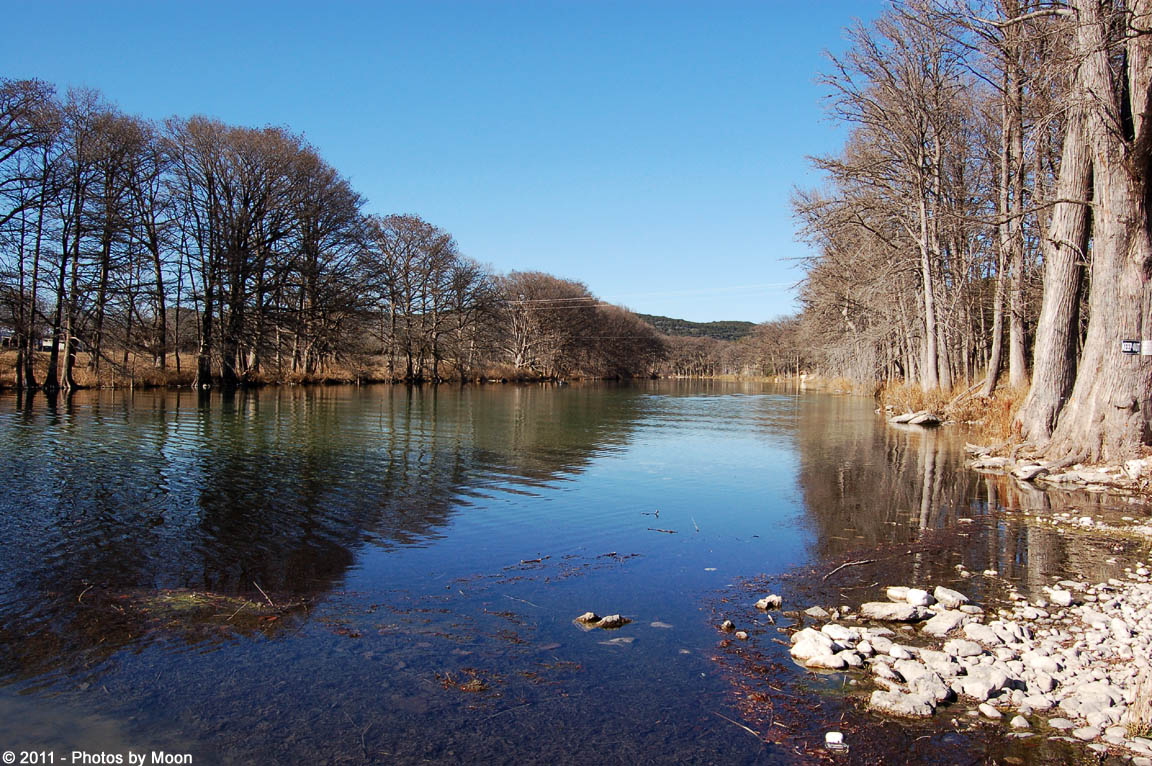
x=737 y=723
x=847 y=564
x=262 y=593
x=665 y=531
x=522 y=601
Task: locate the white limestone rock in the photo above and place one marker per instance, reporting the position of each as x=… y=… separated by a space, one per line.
x=892 y=612
x=944 y=622
x=950 y=598
x=902 y=704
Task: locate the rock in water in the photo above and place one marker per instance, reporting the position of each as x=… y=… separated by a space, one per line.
x=827 y=662
x=1029 y=472
x=588 y=617
x=770 y=602
x=949 y=598
x=613 y=621
x=918 y=597
x=903 y=705
x=880 y=610
x=897 y=593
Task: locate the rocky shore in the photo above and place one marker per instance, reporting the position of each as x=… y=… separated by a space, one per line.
x=1133 y=476
x=1075 y=665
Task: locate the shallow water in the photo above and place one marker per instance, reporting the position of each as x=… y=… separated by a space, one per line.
x=414 y=559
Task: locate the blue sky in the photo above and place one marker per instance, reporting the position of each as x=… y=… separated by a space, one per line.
x=647 y=149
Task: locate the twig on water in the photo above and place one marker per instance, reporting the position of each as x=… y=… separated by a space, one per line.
x=737 y=723
x=665 y=531
x=262 y=593
x=522 y=601
x=847 y=564
x=507 y=710
x=237 y=611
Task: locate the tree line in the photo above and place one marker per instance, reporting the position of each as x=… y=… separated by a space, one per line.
x=988 y=214
x=192 y=250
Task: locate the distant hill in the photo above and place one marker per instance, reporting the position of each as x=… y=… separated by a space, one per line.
x=724 y=330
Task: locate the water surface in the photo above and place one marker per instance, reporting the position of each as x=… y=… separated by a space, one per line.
x=414 y=559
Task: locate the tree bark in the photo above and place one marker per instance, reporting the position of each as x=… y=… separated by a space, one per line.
x=1064 y=247
x=1106 y=416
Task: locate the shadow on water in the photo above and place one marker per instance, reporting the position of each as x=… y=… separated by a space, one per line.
x=107 y=495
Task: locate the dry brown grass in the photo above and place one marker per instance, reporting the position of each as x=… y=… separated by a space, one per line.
x=1140 y=713
x=990 y=417
x=909 y=397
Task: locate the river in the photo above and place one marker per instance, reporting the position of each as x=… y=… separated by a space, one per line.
x=390 y=575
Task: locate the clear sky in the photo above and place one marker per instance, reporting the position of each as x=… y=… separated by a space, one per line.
x=647 y=148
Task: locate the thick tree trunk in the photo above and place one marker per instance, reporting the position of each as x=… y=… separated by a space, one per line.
x=1106 y=417
x=1054 y=360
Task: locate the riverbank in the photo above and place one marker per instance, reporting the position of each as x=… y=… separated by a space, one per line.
x=1042 y=665
x=140 y=373
x=1072 y=666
